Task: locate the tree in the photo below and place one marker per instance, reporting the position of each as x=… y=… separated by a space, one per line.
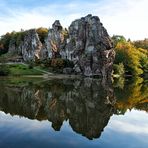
x=141 y=44
x=143 y=59
x=5 y=39
x=42 y=32
x=2 y=49
x=130 y=56
x=13 y=38
x=118 y=38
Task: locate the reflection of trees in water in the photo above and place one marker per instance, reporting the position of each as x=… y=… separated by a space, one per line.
x=134 y=94
x=87 y=104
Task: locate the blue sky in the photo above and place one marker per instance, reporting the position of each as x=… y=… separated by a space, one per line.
x=121 y=17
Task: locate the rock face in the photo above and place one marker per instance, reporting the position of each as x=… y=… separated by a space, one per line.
x=87 y=44
x=56 y=40
x=31 y=47
x=90 y=47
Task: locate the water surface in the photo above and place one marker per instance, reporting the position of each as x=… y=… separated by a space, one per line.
x=73 y=113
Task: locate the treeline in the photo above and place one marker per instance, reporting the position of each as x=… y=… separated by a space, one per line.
x=16 y=38
x=141 y=44
x=131 y=57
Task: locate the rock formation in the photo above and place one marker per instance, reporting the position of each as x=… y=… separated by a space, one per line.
x=31 y=47
x=91 y=47
x=86 y=43
x=88 y=46
x=56 y=41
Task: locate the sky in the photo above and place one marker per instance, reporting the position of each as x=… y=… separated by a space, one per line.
x=120 y=17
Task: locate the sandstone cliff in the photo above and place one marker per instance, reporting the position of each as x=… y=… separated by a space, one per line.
x=90 y=47
x=56 y=41
x=31 y=46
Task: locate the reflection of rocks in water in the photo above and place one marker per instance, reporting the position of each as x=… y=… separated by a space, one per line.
x=87 y=104
x=24 y=101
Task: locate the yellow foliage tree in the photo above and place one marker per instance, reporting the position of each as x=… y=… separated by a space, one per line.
x=42 y=32
x=127 y=54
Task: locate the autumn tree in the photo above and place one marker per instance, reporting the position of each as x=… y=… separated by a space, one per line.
x=135 y=60
x=130 y=56
x=42 y=32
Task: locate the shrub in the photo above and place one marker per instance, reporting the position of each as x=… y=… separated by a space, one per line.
x=57 y=63
x=61 y=63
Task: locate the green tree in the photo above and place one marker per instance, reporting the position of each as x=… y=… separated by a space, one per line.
x=118 y=38
x=5 y=39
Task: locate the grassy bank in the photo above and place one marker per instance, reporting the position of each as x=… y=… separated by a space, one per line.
x=20 y=69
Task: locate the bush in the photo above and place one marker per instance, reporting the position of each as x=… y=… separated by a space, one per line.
x=61 y=63
x=57 y=63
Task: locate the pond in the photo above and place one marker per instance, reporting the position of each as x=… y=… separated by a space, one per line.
x=73 y=113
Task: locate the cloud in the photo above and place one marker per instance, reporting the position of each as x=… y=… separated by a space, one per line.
x=124 y=17
x=130 y=128
x=134 y=122
x=130 y=20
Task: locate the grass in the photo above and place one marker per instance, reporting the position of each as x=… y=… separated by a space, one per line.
x=19 y=69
